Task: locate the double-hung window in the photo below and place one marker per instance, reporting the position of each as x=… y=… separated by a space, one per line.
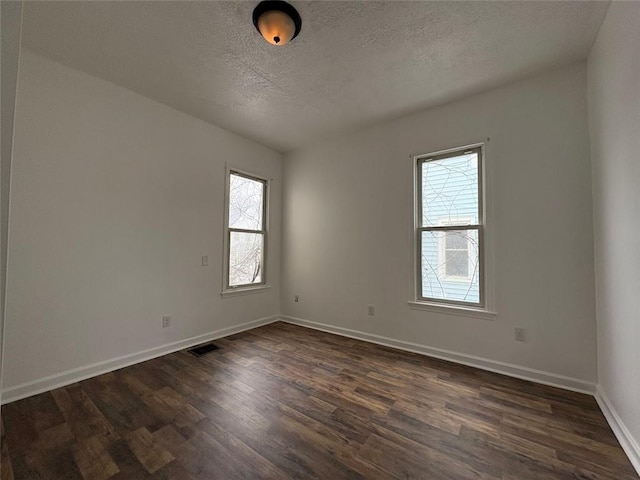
x=450 y=227
x=246 y=231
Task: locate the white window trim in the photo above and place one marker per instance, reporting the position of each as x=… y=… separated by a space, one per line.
x=236 y=292
x=232 y=291
x=456 y=310
x=487 y=310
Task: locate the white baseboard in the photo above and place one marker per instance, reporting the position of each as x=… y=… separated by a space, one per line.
x=629 y=444
x=524 y=373
x=68 y=377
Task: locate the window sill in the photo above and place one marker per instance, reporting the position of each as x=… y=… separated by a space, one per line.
x=457 y=310
x=235 y=292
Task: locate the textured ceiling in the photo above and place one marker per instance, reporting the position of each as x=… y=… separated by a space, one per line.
x=353 y=64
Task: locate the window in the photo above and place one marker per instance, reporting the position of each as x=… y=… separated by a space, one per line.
x=449 y=227
x=246 y=230
x=455 y=258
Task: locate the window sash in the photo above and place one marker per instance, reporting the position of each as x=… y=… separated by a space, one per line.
x=245 y=230
x=264 y=201
x=478 y=150
x=263 y=276
x=230 y=230
x=479 y=227
x=481 y=267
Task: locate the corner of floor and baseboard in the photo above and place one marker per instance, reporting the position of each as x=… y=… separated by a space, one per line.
x=629 y=444
x=622 y=433
x=509 y=369
x=74 y=375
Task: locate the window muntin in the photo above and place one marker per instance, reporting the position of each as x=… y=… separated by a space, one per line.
x=449 y=228
x=246 y=230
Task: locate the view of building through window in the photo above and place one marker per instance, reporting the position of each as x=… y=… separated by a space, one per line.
x=450 y=227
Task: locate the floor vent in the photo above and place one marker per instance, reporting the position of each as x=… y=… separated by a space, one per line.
x=203 y=349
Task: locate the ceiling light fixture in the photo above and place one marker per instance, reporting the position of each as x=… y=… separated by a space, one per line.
x=277 y=21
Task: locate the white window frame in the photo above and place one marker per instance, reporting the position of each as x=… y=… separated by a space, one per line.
x=232 y=290
x=438 y=304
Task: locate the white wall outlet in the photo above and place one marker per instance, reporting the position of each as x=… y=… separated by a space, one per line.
x=166 y=321
x=205 y=261
x=519 y=333
x=371 y=310
x=296 y=298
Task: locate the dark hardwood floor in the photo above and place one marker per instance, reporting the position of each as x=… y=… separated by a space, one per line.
x=284 y=402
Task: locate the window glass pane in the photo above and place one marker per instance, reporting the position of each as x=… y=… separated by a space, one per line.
x=245 y=203
x=245 y=258
x=450 y=191
x=457 y=263
x=450 y=274
x=456 y=241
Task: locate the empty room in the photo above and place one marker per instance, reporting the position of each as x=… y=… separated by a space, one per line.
x=320 y=240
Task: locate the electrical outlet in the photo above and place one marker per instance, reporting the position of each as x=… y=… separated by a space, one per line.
x=205 y=261
x=371 y=310
x=166 y=321
x=296 y=298
x=519 y=333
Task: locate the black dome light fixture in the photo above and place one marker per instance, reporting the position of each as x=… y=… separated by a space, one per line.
x=277 y=21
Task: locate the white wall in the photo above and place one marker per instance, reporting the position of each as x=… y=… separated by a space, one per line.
x=347 y=227
x=115 y=198
x=10 y=27
x=614 y=117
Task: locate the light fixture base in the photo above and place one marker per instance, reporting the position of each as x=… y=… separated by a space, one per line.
x=277 y=6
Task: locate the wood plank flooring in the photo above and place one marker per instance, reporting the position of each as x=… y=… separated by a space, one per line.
x=283 y=402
